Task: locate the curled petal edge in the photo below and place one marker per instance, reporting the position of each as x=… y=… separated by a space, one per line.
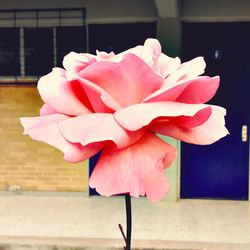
x=209 y=132
x=137 y=116
x=97 y=127
x=45 y=129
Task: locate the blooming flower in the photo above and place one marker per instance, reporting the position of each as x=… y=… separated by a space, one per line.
x=118 y=104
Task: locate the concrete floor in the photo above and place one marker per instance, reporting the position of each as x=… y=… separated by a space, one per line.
x=76 y=220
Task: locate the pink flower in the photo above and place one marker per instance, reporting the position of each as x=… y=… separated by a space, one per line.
x=117 y=104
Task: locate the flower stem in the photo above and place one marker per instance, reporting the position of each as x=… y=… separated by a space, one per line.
x=129 y=220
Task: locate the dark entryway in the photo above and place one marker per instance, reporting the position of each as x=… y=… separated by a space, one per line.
x=220 y=170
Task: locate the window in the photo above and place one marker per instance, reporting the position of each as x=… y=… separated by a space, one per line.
x=119 y=37
x=9 y=52
x=34 y=41
x=38 y=51
x=69 y=39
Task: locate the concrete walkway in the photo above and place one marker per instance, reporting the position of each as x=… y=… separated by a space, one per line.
x=76 y=221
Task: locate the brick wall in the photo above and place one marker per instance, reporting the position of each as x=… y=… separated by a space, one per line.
x=26 y=163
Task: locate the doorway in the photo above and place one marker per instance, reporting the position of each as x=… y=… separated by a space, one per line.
x=220 y=170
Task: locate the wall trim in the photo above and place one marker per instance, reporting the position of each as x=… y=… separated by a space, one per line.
x=121 y=20
x=216 y=19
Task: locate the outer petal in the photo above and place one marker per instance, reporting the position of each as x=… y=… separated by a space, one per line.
x=45 y=128
x=139 y=115
x=75 y=62
x=166 y=65
x=193 y=121
x=186 y=71
x=198 y=90
x=138 y=169
x=95 y=128
x=104 y=56
x=128 y=81
x=209 y=132
x=149 y=52
x=64 y=96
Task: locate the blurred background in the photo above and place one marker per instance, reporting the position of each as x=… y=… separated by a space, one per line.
x=36 y=35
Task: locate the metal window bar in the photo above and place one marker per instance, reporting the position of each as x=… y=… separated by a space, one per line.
x=36 y=18
x=13 y=14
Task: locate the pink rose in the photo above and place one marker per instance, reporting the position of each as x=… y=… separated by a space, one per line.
x=116 y=103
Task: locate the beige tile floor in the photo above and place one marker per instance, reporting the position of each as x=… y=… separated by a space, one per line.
x=74 y=217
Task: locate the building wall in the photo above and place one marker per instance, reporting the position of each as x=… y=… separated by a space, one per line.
x=29 y=164
x=215 y=10
x=97 y=11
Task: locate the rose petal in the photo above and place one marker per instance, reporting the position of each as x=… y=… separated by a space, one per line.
x=138 y=169
x=45 y=129
x=97 y=127
x=104 y=56
x=198 y=90
x=166 y=65
x=139 y=115
x=75 y=62
x=100 y=100
x=187 y=71
x=64 y=96
x=193 y=121
x=128 y=81
x=149 y=52
x=209 y=132
x=47 y=110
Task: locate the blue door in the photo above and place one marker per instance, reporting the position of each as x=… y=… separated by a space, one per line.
x=220 y=170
